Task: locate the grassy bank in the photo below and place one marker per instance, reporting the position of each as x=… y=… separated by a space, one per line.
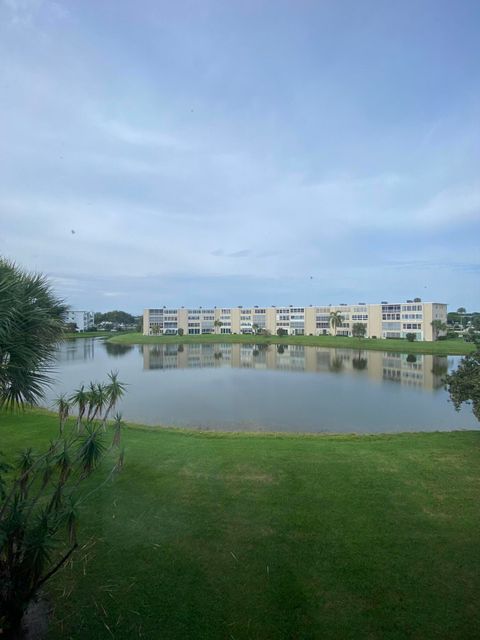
x=220 y=536
x=87 y=334
x=94 y=334
x=442 y=347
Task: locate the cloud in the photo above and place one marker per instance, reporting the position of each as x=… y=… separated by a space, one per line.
x=243 y=253
x=179 y=167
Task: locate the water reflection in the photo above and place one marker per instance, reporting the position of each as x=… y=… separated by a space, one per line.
x=407 y=369
x=117 y=350
x=82 y=349
x=260 y=387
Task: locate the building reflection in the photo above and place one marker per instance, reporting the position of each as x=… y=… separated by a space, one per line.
x=70 y=350
x=417 y=370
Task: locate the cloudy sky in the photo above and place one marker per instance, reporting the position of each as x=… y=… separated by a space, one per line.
x=244 y=152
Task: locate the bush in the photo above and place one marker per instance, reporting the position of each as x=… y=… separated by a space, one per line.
x=180 y=332
x=411 y=337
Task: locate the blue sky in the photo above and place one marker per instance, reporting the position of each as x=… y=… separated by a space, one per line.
x=230 y=153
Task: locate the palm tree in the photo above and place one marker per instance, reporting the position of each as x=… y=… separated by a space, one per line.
x=217 y=324
x=32 y=323
x=438 y=327
x=336 y=320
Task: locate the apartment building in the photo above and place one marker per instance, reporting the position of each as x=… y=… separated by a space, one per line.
x=82 y=319
x=381 y=320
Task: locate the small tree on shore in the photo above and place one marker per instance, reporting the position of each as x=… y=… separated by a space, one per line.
x=411 y=337
x=359 y=330
x=463 y=385
x=281 y=332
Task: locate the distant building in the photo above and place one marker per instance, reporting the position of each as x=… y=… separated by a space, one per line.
x=83 y=319
x=383 y=320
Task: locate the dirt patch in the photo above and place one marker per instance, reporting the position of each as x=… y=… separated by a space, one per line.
x=35 y=620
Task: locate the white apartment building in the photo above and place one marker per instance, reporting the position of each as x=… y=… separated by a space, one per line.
x=381 y=320
x=83 y=319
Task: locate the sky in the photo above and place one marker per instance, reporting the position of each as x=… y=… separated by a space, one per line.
x=253 y=152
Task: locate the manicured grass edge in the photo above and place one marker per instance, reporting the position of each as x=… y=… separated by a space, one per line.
x=442 y=347
x=208 y=433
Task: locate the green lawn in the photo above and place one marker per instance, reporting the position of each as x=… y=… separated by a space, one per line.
x=228 y=536
x=86 y=334
x=94 y=334
x=441 y=347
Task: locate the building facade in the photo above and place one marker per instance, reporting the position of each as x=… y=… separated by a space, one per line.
x=83 y=319
x=383 y=320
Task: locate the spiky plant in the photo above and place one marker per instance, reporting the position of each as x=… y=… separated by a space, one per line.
x=115 y=390
x=38 y=512
x=63 y=407
x=80 y=399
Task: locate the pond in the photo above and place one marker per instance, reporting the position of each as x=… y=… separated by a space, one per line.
x=241 y=387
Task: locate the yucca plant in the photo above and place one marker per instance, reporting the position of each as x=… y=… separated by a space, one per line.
x=63 y=407
x=38 y=513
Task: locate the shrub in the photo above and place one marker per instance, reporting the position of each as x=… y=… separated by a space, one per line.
x=411 y=337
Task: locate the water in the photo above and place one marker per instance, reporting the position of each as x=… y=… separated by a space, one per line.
x=259 y=388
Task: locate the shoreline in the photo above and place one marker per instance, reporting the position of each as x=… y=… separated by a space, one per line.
x=235 y=434
x=441 y=347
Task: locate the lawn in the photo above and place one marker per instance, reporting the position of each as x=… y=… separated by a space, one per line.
x=228 y=536
x=86 y=334
x=440 y=347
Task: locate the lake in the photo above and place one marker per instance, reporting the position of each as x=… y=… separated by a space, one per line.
x=240 y=387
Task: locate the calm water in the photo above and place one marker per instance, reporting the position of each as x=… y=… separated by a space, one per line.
x=290 y=388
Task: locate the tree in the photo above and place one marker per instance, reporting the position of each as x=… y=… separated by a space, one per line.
x=115 y=317
x=463 y=385
x=336 y=320
x=281 y=332
x=411 y=337
x=180 y=331
x=438 y=327
x=31 y=325
x=217 y=324
x=255 y=328
x=359 y=330
x=461 y=310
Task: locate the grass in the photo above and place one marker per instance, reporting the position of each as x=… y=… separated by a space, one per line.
x=86 y=334
x=92 y=334
x=241 y=536
x=441 y=347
